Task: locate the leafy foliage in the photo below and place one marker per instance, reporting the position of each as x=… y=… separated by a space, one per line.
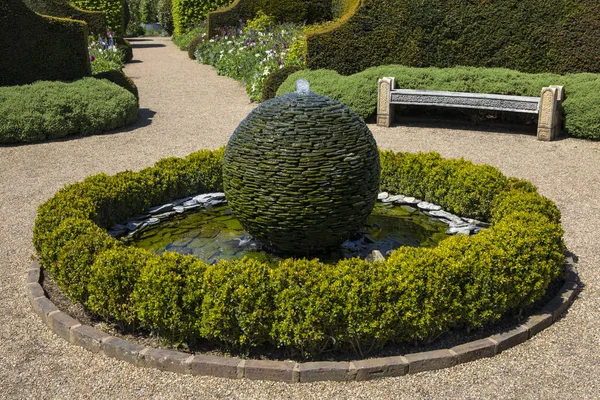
x=36 y=47
x=283 y=11
x=51 y=110
x=304 y=305
x=249 y=57
x=559 y=36
x=114 y=9
x=96 y=20
x=189 y=13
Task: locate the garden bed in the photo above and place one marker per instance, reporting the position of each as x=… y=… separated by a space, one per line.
x=304 y=307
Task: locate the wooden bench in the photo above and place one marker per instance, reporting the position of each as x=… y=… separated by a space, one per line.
x=547 y=106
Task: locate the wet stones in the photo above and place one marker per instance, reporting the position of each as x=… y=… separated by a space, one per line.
x=156 y=215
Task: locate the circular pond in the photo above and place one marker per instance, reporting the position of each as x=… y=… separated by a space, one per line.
x=215 y=234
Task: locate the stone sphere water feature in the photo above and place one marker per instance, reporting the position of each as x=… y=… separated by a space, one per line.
x=301 y=172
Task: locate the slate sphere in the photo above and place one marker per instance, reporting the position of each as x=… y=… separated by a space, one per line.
x=301 y=173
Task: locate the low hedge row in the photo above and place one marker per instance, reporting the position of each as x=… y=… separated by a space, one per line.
x=558 y=36
x=50 y=110
x=303 y=305
x=35 y=47
x=359 y=91
x=96 y=20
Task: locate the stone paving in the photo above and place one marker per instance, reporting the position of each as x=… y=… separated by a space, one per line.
x=185 y=107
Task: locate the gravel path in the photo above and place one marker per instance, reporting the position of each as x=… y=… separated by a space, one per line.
x=187 y=107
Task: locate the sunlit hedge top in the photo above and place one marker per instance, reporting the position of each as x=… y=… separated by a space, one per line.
x=302 y=305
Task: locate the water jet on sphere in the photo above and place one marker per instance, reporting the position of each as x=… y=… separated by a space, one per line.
x=301 y=172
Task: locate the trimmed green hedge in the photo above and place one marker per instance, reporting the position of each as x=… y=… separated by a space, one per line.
x=302 y=305
x=535 y=36
x=50 y=110
x=359 y=91
x=96 y=20
x=36 y=47
x=189 y=13
x=120 y=79
x=309 y=11
x=114 y=10
x=340 y=8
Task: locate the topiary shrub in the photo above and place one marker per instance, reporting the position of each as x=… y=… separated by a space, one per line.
x=120 y=79
x=308 y=11
x=534 y=36
x=304 y=305
x=581 y=108
x=189 y=13
x=275 y=79
x=114 y=9
x=51 y=110
x=96 y=20
x=35 y=47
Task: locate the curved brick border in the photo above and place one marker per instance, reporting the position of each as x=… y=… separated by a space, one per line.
x=288 y=371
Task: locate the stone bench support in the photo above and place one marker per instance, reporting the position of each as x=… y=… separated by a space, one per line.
x=547 y=106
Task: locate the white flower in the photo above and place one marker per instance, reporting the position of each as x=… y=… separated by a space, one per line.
x=229 y=41
x=231 y=51
x=257 y=55
x=212 y=40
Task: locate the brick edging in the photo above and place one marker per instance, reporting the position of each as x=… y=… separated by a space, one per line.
x=288 y=371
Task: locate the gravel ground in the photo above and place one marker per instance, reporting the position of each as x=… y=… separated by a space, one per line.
x=186 y=107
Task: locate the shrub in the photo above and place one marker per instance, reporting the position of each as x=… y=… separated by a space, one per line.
x=35 y=47
x=96 y=20
x=119 y=78
x=275 y=79
x=51 y=110
x=114 y=9
x=189 y=13
x=359 y=91
x=169 y=295
x=301 y=305
x=527 y=35
x=282 y=11
x=165 y=15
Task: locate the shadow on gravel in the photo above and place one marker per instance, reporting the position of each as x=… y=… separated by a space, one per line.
x=139 y=40
x=146 y=45
x=134 y=62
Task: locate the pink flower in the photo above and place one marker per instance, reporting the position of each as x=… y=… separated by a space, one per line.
x=92 y=58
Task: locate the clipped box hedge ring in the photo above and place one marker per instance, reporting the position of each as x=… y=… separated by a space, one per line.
x=303 y=305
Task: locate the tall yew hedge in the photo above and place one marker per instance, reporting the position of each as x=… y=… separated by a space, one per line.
x=556 y=36
x=96 y=20
x=36 y=47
